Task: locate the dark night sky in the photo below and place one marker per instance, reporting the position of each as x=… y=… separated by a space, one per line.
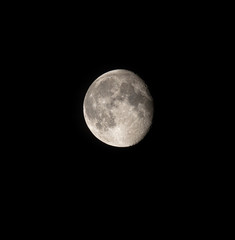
x=62 y=54
x=58 y=55
x=71 y=58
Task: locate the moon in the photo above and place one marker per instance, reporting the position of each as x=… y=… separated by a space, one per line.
x=118 y=108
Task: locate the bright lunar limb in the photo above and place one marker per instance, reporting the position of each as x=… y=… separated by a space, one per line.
x=118 y=108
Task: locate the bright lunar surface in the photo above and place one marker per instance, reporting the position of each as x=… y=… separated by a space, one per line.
x=118 y=108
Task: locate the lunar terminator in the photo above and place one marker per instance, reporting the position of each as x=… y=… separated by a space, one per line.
x=118 y=108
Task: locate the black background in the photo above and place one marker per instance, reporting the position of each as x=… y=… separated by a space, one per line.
x=58 y=51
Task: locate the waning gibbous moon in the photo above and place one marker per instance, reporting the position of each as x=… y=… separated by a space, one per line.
x=118 y=108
